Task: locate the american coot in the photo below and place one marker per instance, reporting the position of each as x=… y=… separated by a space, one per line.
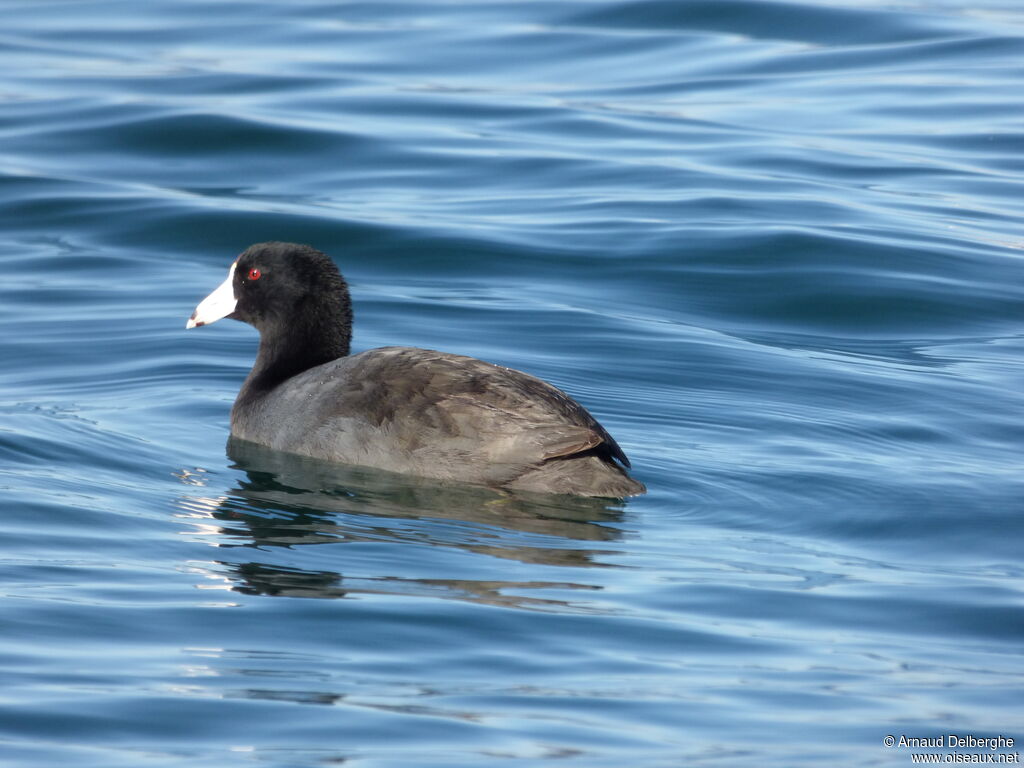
x=402 y=409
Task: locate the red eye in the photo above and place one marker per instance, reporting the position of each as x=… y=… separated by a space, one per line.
x=254 y=274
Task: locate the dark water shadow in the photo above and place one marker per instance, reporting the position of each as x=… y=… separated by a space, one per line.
x=287 y=501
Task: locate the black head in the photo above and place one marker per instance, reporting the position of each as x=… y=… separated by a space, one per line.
x=277 y=283
x=294 y=296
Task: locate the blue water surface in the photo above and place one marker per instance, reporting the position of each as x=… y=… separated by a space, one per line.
x=775 y=247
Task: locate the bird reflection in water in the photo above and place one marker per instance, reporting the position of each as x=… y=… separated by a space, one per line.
x=287 y=500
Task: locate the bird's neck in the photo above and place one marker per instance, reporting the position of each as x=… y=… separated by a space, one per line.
x=316 y=335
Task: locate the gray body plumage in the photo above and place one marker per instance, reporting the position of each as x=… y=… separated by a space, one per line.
x=438 y=415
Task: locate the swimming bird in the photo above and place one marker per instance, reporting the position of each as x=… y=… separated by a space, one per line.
x=403 y=409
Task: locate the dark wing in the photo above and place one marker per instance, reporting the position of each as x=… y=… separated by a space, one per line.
x=450 y=403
